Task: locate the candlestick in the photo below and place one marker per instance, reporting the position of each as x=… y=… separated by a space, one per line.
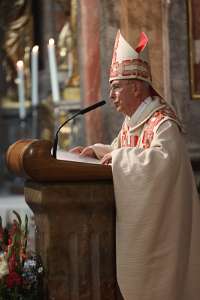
x=34 y=75
x=53 y=71
x=21 y=94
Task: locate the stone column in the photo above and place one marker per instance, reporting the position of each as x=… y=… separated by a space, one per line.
x=187 y=108
x=90 y=66
x=137 y=16
x=110 y=23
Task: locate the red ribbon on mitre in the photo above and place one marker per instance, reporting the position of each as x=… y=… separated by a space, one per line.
x=142 y=43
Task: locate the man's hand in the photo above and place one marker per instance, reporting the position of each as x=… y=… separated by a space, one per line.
x=107 y=159
x=87 y=151
x=76 y=150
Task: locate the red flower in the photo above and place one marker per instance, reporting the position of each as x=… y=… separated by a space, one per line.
x=13 y=279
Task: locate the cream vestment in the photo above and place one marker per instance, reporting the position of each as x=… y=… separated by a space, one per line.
x=158 y=213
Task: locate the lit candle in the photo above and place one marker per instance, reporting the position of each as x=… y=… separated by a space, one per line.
x=21 y=94
x=53 y=71
x=34 y=75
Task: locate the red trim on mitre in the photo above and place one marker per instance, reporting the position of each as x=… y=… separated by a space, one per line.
x=121 y=70
x=114 y=58
x=142 y=43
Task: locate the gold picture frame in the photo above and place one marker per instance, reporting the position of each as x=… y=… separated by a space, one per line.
x=194 y=47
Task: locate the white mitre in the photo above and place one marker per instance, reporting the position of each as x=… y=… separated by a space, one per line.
x=129 y=63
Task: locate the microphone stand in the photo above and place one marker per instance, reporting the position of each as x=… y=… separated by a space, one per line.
x=80 y=112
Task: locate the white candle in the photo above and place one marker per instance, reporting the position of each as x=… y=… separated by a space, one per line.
x=34 y=75
x=53 y=71
x=21 y=94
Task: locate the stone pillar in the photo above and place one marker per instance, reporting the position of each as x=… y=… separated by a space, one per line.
x=110 y=23
x=137 y=16
x=166 y=51
x=187 y=108
x=90 y=66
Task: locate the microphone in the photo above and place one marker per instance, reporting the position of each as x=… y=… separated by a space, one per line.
x=80 y=112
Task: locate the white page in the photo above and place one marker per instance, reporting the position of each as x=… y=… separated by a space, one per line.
x=65 y=155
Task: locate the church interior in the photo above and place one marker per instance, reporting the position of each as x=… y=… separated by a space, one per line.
x=84 y=33
x=55 y=60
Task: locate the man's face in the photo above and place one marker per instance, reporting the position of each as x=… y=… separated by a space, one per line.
x=123 y=95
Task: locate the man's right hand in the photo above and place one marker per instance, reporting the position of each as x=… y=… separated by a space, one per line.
x=76 y=150
x=87 y=151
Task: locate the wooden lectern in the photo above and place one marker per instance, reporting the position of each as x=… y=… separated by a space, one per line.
x=74 y=209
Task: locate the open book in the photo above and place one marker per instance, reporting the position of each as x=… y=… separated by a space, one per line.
x=65 y=155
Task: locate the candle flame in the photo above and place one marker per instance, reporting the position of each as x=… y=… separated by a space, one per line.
x=20 y=64
x=35 y=49
x=51 y=42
